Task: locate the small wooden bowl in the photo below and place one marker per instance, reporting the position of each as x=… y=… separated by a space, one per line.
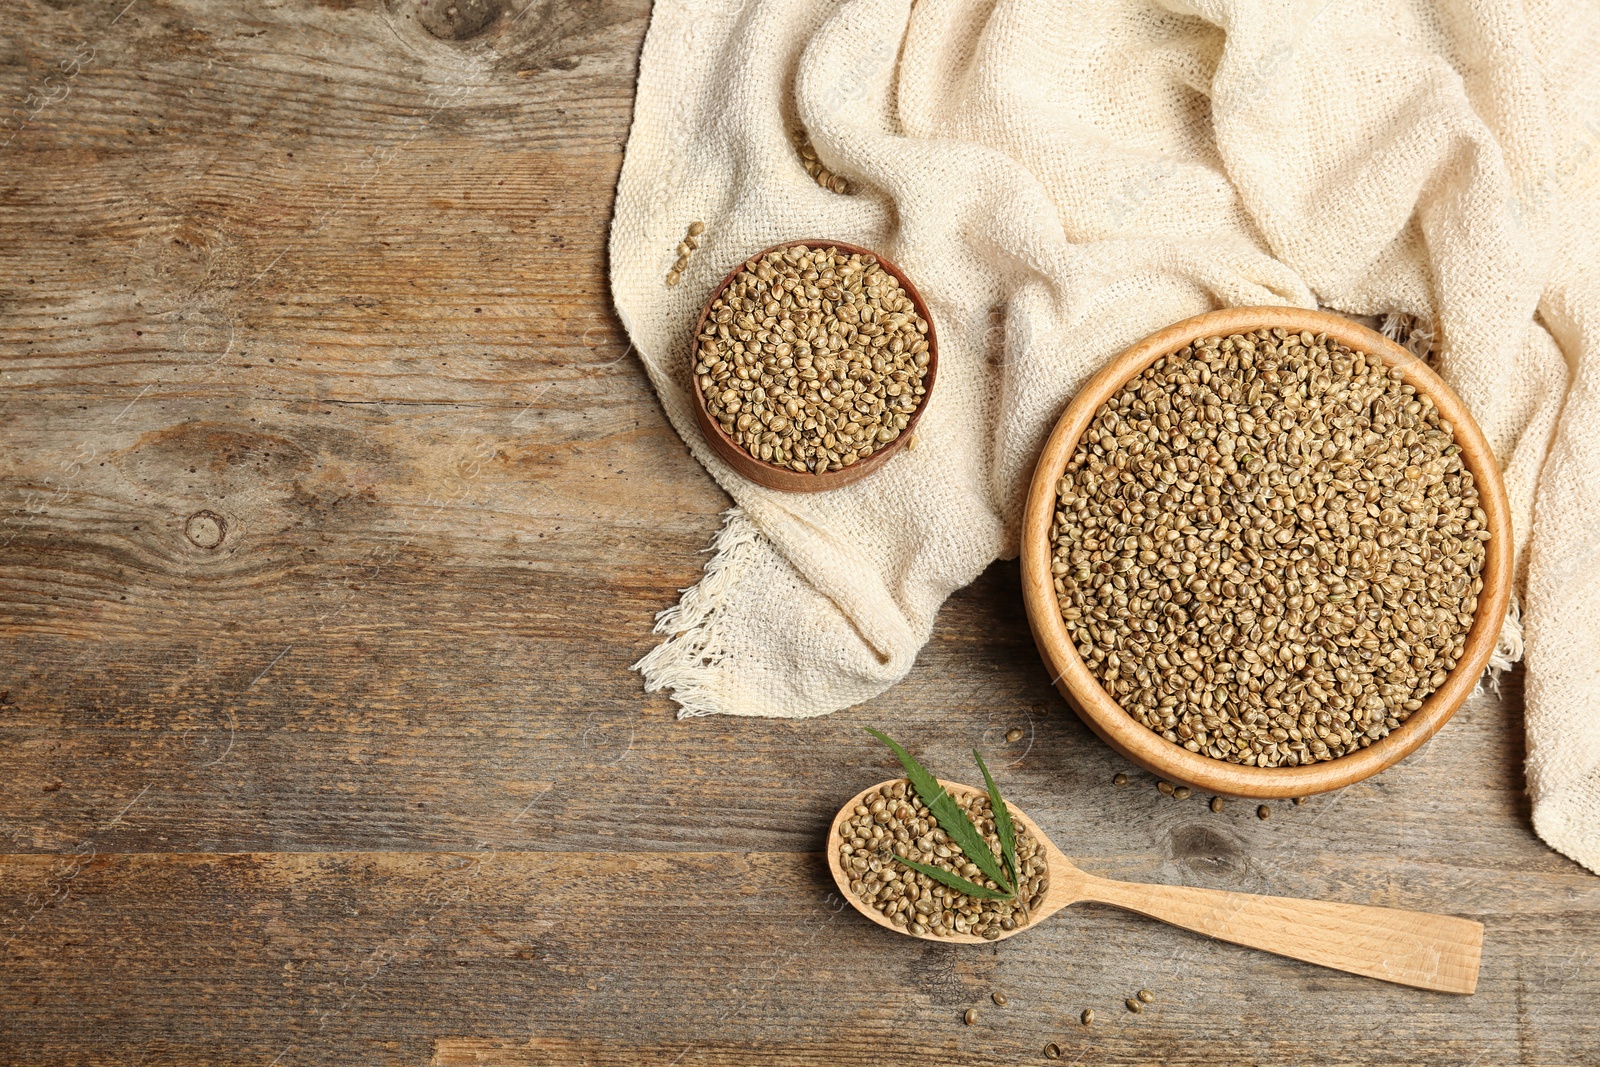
x=771 y=475
x=1149 y=749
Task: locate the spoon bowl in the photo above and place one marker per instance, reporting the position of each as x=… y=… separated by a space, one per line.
x=1414 y=948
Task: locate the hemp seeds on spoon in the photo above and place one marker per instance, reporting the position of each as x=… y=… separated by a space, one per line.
x=895 y=820
x=1267 y=548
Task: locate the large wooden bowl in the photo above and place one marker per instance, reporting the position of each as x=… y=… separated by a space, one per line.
x=771 y=475
x=1149 y=749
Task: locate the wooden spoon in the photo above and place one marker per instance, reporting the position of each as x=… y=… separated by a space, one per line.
x=1408 y=947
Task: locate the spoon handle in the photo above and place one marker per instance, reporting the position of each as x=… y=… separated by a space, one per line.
x=1407 y=947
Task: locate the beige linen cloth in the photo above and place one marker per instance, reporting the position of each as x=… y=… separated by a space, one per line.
x=1063 y=177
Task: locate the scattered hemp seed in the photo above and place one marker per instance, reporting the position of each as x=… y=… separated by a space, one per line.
x=1263 y=812
x=1087 y=1018
x=1165 y=787
x=1299 y=801
x=1146 y=996
x=686 y=247
x=1216 y=803
x=1133 y=1005
x=1119 y=779
x=1268 y=549
x=971 y=1016
x=1182 y=792
x=1052 y=1051
x=812 y=358
x=999 y=998
x=1014 y=734
x=821 y=175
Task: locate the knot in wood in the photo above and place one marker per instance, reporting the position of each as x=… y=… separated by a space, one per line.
x=1203 y=849
x=456 y=20
x=206 y=529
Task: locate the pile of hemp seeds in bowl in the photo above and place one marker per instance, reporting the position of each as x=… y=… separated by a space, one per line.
x=812 y=359
x=1267 y=548
x=891 y=819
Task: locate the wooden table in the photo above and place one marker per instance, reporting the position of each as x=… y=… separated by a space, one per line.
x=335 y=509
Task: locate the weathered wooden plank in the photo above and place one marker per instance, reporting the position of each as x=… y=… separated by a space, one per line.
x=472 y=685
x=365 y=73
x=364 y=957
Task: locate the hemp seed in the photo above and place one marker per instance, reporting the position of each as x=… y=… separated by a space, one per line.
x=813 y=166
x=1268 y=549
x=686 y=247
x=812 y=358
x=892 y=821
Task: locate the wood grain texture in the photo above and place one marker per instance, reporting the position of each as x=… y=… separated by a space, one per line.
x=1414 y=948
x=367 y=779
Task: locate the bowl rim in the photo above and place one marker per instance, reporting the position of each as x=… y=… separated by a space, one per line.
x=1144 y=746
x=768 y=474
